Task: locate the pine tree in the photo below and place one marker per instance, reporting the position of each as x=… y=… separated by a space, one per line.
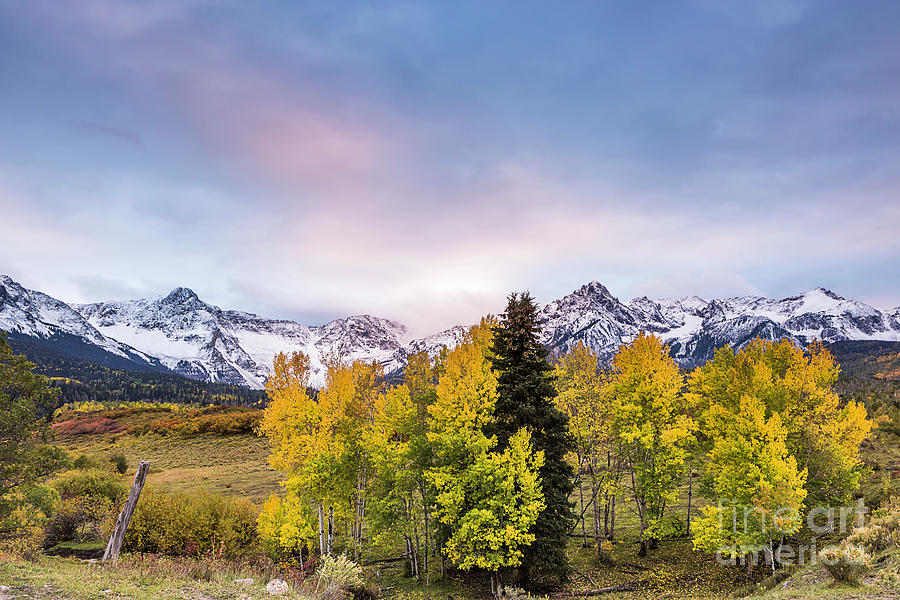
x=525 y=398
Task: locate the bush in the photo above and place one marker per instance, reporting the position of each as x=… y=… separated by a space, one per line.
x=82 y=519
x=91 y=482
x=85 y=462
x=22 y=530
x=874 y=538
x=91 y=425
x=514 y=593
x=339 y=578
x=845 y=563
x=90 y=500
x=212 y=420
x=180 y=524
x=120 y=462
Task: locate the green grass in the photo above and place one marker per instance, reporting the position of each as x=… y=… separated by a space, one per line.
x=72 y=579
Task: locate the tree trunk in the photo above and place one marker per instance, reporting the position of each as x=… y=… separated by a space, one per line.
x=330 y=548
x=690 y=496
x=584 y=540
x=323 y=548
x=495 y=584
x=427 y=542
x=612 y=518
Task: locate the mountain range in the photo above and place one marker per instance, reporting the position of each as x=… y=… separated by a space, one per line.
x=181 y=333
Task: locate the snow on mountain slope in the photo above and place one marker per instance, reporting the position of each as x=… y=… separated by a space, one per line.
x=694 y=327
x=182 y=333
x=35 y=314
x=202 y=341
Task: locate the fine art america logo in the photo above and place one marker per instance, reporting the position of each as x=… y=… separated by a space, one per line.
x=751 y=523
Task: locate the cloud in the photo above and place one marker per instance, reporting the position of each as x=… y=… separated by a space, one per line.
x=106 y=287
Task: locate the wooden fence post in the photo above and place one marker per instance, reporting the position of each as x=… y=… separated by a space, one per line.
x=118 y=536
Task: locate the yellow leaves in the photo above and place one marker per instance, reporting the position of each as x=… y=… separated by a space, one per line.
x=467 y=387
x=285 y=525
x=491 y=505
x=291 y=418
x=579 y=386
x=797 y=387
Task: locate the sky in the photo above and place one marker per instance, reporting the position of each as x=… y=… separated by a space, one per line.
x=420 y=160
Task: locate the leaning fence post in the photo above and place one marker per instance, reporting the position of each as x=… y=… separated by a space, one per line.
x=118 y=535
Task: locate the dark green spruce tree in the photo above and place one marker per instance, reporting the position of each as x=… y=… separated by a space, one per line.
x=525 y=399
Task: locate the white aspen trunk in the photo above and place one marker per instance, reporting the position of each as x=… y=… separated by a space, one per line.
x=322 y=545
x=427 y=541
x=330 y=548
x=580 y=480
x=690 y=497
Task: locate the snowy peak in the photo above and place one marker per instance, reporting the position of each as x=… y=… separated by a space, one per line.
x=181 y=295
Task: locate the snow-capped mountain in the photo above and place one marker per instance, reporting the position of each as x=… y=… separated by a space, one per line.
x=32 y=314
x=181 y=333
x=694 y=327
x=201 y=341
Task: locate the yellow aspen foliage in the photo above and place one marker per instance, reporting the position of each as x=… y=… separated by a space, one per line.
x=491 y=506
x=320 y=443
x=286 y=525
x=291 y=419
x=488 y=500
x=652 y=432
x=466 y=392
x=823 y=434
x=583 y=395
x=757 y=483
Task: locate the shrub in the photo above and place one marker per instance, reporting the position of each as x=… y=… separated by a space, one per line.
x=874 y=538
x=845 y=563
x=120 y=461
x=339 y=578
x=85 y=462
x=90 y=425
x=90 y=500
x=84 y=518
x=22 y=530
x=91 y=482
x=179 y=524
x=514 y=593
x=213 y=420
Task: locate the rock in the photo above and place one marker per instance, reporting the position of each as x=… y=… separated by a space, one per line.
x=244 y=581
x=277 y=587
